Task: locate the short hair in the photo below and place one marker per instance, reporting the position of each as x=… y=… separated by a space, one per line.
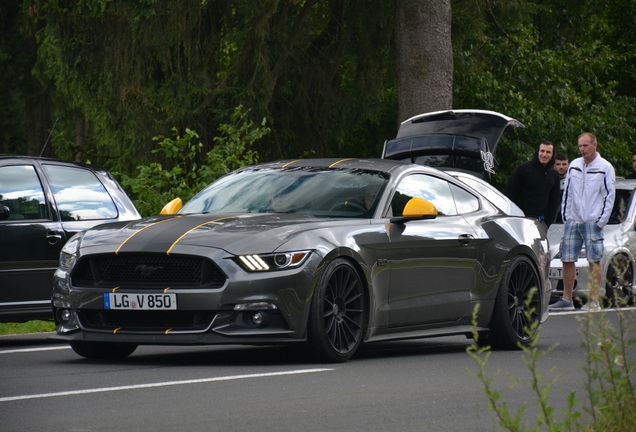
x=591 y=135
x=633 y=152
x=562 y=156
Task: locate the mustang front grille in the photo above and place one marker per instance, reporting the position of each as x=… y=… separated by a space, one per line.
x=147 y=270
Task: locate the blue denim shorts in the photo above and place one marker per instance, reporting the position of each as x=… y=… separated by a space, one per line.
x=575 y=235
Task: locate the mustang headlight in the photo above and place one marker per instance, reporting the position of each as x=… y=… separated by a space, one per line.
x=69 y=253
x=275 y=261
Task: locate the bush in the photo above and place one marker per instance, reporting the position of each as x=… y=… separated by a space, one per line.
x=184 y=169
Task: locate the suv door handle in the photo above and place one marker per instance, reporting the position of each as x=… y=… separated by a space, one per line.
x=465 y=238
x=53 y=238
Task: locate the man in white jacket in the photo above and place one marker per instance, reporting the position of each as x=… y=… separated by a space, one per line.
x=588 y=198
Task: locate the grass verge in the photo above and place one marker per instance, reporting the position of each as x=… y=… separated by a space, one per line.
x=26 y=327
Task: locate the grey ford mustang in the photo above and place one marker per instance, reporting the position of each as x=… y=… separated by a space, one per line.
x=331 y=253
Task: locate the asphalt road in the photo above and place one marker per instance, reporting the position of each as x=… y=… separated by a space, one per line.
x=423 y=385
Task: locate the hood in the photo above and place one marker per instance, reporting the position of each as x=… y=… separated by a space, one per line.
x=461 y=139
x=254 y=233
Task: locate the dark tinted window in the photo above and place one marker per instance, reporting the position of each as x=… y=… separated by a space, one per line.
x=79 y=194
x=21 y=191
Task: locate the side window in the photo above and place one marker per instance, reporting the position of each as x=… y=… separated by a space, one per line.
x=430 y=188
x=21 y=192
x=79 y=194
x=464 y=200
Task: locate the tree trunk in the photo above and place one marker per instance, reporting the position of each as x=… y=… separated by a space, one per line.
x=424 y=57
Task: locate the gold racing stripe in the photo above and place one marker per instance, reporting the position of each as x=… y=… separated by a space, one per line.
x=137 y=232
x=330 y=166
x=289 y=163
x=340 y=161
x=157 y=237
x=192 y=229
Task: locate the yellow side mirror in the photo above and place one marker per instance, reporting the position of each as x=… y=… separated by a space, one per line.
x=172 y=207
x=418 y=208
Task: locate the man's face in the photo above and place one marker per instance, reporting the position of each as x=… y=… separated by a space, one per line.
x=545 y=154
x=587 y=148
x=634 y=162
x=561 y=166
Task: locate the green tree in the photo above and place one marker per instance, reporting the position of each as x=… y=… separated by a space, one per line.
x=551 y=66
x=126 y=71
x=324 y=73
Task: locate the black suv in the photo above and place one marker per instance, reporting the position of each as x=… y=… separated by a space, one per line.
x=43 y=202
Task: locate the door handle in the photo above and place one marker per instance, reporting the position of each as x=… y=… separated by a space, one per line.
x=465 y=238
x=53 y=238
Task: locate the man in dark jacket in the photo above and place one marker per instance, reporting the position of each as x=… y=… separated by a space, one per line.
x=535 y=187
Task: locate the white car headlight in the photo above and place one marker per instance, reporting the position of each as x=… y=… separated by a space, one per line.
x=275 y=261
x=69 y=253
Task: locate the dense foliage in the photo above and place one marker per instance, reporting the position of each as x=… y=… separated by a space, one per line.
x=560 y=67
x=177 y=172
x=114 y=75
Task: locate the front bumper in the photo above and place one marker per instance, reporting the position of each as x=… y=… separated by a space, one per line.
x=250 y=308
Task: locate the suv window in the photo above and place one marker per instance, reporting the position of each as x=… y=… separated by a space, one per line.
x=21 y=191
x=79 y=194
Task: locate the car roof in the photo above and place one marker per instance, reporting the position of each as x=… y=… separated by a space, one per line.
x=374 y=164
x=24 y=158
x=623 y=183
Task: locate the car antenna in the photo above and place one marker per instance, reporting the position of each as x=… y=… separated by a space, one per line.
x=49 y=137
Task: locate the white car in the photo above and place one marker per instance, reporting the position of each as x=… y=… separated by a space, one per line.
x=618 y=261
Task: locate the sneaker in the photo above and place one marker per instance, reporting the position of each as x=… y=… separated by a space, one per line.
x=591 y=306
x=561 y=305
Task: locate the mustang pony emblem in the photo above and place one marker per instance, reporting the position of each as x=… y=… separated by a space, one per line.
x=147 y=270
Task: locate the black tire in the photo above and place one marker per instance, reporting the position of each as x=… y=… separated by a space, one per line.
x=103 y=351
x=338 y=314
x=516 y=310
x=618 y=282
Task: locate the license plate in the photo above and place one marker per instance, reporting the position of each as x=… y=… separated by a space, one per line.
x=140 y=301
x=557 y=273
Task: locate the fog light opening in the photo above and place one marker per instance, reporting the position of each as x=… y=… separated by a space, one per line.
x=63 y=315
x=259 y=319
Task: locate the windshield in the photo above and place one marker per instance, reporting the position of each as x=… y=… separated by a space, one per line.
x=315 y=191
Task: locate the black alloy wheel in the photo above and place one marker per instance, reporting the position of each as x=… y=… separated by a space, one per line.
x=338 y=315
x=516 y=314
